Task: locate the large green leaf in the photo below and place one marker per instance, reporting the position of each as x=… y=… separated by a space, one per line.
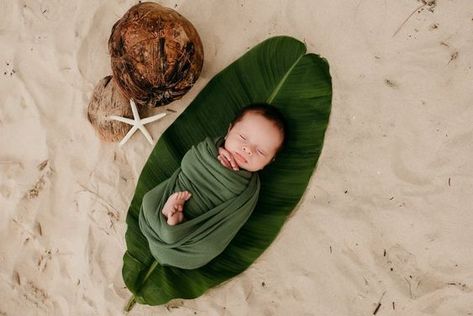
x=277 y=71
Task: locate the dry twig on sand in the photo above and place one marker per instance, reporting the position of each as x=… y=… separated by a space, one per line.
x=430 y=3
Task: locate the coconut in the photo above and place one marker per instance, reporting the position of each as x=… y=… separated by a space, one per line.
x=108 y=100
x=156 y=54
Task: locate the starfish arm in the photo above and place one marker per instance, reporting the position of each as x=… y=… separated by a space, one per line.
x=136 y=123
x=121 y=119
x=136 y=115
x=153 y=118
x=146 y=133
x=128 y=135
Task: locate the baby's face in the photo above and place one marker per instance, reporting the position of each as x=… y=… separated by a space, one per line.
x=253 y=141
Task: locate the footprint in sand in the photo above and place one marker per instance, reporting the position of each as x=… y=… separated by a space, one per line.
x=100 y=253
x=402 y=169
x=403 y=268
x=9 y=10
x=5 y=192
x=93 y=59
x=35 y=297
x=8 y=170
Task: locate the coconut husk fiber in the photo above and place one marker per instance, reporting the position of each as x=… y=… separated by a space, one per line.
x=156 y=54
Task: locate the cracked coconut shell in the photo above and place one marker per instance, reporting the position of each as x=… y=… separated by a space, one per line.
x=108 y=100
x=156 y=54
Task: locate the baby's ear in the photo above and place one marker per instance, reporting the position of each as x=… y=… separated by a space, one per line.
x=229 y=127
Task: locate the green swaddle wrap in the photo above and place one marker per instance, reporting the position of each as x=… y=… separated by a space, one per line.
x=222 y=201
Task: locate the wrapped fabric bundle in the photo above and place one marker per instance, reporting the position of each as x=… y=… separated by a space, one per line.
x=222 y=201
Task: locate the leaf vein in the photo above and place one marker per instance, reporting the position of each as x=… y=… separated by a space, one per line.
x=283 y=79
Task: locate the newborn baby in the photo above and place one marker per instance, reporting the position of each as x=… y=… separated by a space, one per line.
x=253 y=139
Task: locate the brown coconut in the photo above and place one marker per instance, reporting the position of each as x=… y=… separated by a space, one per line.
x=156 y=54
x=108 y=100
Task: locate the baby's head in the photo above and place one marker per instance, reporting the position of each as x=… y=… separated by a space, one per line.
x=256 y=135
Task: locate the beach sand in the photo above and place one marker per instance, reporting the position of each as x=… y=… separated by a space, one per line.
x=385 y=226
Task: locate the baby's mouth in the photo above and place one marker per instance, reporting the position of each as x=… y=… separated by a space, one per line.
x=239 y=158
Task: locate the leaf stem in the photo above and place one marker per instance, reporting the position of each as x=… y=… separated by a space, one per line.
x=132 y=300
x=130 y=304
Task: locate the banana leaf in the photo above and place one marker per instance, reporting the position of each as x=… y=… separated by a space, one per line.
x=277 y=71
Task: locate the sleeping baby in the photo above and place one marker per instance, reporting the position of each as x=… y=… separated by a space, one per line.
x=192 y=216
x=253 y=139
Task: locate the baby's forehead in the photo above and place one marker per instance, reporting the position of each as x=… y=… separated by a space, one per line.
x=254 y=122
x=252 y=115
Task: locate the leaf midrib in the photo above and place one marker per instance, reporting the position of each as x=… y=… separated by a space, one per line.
x=283 y=79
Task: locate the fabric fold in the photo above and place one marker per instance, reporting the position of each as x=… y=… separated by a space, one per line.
x=222 y=201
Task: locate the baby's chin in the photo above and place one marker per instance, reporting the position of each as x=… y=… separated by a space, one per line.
x=241 y=166
x=246 y=168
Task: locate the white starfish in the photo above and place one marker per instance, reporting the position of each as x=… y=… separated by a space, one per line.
x=137 y=123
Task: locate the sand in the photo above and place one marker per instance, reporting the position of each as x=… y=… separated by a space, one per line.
x=385 y=226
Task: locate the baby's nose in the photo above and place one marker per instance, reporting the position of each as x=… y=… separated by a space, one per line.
x=247 y=150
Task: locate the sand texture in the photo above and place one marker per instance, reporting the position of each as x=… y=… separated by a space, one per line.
x=385 y=226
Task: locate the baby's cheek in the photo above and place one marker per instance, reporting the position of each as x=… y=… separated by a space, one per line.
x=227 y=145
x=262 y=164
